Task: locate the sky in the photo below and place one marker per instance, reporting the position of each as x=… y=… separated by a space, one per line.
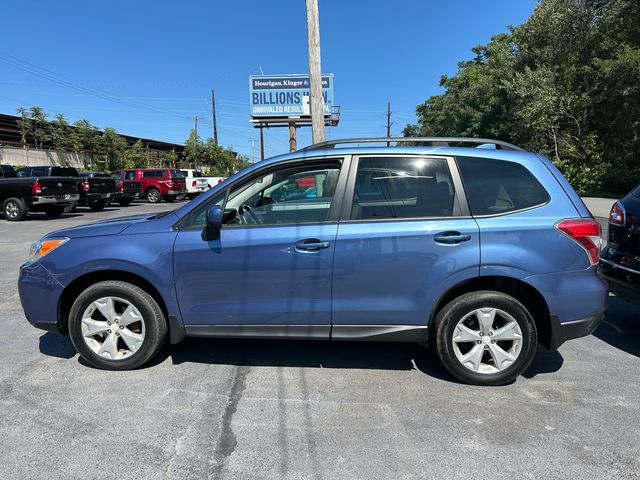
x=147 y=67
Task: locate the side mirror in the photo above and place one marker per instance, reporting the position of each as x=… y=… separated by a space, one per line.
x=214 y=223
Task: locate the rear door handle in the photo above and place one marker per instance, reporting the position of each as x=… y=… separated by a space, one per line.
x=451 y=238
x=311 y=245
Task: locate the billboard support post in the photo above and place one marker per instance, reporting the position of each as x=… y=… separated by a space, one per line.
x=293 y=145
x=316 y=102
x=261 y=142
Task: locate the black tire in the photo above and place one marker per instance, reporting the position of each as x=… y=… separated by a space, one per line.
x=14 y=209
x=447 y=319
x=97 y=206
x=54 y=211
x=154 y=320
x=124 y=203
x=153 y=195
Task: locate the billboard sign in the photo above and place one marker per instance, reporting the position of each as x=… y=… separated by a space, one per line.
x=286 y=95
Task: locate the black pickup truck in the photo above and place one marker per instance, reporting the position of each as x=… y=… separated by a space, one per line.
x=128 y=190
x=95 y=192
x=20 y=195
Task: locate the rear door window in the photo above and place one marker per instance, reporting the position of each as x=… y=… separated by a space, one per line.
x=498 y=186
x=64 y=172
x=402 y=187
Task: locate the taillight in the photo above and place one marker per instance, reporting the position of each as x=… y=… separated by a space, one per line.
x=36 y=188
x=194 y=183
x=617 y=216
x=586 y=233
x=219 y=180
x=85 y=186
x=121 y=186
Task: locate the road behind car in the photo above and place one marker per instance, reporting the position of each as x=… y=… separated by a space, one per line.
x=278 y=409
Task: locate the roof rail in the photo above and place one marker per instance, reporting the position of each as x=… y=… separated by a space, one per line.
x=425 y=141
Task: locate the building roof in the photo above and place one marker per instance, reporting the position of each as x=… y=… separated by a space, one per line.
x=10 y=135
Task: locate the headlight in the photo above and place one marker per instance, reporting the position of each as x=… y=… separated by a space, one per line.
x=45 y=245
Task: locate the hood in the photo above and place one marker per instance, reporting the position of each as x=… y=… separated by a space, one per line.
x=112 y=226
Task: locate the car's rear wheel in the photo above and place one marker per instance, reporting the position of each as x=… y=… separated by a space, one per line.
x=485 y=338
x=14 y=209
x=116 y=326
x=97 y=206
x=54 y=211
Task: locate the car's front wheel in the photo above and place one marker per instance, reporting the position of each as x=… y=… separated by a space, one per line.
x=485 y=338
x=115 y=325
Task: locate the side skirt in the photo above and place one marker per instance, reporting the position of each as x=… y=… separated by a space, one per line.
x=374 y=333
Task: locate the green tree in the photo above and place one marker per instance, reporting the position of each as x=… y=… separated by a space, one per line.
x=63 y=136
x=114 y=147
x=135 y=156
x=34 y=126
x=88 y=139
x=222 y=161
x=169 y=159
x=193 y=149
x=564 y=83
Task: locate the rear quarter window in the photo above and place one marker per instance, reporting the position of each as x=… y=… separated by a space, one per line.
x=496 y=186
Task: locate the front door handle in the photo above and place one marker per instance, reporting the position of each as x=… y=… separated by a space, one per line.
x=451 y=238
x=311 y=245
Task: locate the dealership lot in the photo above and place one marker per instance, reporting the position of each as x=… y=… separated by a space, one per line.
x=277 y=409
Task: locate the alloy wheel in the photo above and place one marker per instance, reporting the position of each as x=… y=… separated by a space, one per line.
x=11 y=210
x=113 y=328
x=153 y=196
x=487 y=340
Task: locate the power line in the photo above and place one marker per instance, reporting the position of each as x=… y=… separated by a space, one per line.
x=55 y=78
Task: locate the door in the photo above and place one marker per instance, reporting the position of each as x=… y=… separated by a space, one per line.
x=272 y=264
x=405 y=238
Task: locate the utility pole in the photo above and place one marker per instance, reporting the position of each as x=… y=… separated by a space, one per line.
x=215 y=124
x=388 y=121
x=253 y=147
x=316 y=101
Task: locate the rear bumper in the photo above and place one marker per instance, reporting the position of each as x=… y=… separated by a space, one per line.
x=176 y=192
x=53 y=199
x=624 y=282
x=561 y=332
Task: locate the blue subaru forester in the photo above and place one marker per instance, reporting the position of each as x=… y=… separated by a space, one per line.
x=475 y=246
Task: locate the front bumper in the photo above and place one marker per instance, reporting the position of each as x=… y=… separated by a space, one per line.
x=39 y=295
x=53 y=199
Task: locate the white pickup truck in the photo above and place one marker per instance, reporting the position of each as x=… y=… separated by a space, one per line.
x=196 y=182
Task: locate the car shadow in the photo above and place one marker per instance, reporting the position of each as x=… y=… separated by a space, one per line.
x=620 y=327
x=42 y=217
x=303 y=353
x=56 y=345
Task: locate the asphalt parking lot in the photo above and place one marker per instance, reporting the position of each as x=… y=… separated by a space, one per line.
x=284 y=409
